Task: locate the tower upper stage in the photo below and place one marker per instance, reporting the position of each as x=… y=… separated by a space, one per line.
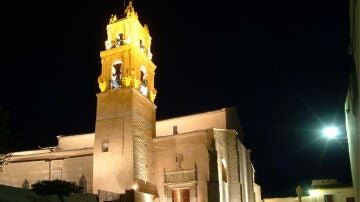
x=126 y=60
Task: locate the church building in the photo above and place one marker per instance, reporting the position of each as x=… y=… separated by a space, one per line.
x=131 y=156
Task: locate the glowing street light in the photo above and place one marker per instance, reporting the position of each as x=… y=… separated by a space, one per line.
x=331 y=132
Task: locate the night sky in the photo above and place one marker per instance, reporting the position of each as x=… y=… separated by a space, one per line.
x=283 y=64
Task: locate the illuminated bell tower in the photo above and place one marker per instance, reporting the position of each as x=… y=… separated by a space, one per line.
x=125 y=116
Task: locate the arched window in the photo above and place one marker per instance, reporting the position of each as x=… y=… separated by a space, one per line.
x=142 y=47
x=144 y=82
x=116 y=71
x=120 y=40
x=82 y=184
x=25 y=184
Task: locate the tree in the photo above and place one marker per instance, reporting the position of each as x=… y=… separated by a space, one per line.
x=55 y=187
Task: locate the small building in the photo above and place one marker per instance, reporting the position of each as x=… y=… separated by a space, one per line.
x=321 y=190
x=330 y=190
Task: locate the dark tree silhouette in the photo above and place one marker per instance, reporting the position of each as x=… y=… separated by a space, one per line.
x=55 y=187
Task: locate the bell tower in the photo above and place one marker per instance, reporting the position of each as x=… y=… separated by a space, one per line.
x=125 y=115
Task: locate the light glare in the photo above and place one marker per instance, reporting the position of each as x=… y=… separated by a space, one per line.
x=331 y=132
x=313 y=193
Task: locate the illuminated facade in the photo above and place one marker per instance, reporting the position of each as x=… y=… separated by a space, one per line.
x=352 y=102
x=131 y=155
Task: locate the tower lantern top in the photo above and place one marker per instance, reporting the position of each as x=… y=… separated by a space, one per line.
x=129 y=12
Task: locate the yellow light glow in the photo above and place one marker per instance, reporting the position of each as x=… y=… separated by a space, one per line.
x=127 y=81
x=135 y=186
x=103 y=86
x=137 y=83
x=152 y=96
x=313 y=193
x=128 y=40
x=107 y=44
x=148 y=198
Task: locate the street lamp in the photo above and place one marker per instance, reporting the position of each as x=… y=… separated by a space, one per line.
x=331 y=132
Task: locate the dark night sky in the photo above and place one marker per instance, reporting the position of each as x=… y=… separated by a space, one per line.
x=283 y=64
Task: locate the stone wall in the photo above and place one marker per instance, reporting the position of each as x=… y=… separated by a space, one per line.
x=185 y=124
x=14 y=174
x=69 y=169
x=126 y=122
x=79 y=141
x=192 y=148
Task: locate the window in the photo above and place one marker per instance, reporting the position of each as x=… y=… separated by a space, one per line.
x=116 y=75
x=328 y=198
x=175 y=131
x=144 y=82
x=120 y=40
x=181 y=195
x=143 y=76
x=105 y=146
x=350 y=199
x=179 y=159
x=142 y=47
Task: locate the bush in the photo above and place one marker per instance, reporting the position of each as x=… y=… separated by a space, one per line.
x=55 y=187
